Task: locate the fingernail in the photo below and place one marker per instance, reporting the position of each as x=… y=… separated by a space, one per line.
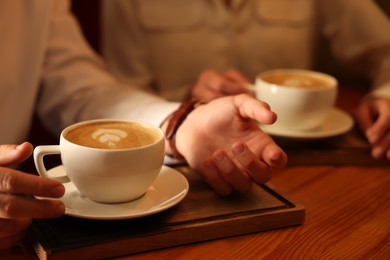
x=58 y=191
x=219 y=156
x=377 y=152
x=19 y=146
x=371 y=136
x=275 y=157
x=238 y=148
x=60 y=210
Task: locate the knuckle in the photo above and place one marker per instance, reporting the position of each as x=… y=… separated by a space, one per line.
x=8 y=182
x=47 y=209
x=8 y=207
x=204 y=75
x=219 y=85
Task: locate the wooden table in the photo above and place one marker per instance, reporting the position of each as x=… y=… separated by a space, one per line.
x=347 y=213
x=347 y=217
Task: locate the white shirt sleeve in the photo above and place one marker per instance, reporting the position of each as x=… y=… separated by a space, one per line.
x=76 y=85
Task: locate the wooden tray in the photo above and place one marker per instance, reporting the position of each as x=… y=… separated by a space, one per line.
x=350 y=148
x=201 y=216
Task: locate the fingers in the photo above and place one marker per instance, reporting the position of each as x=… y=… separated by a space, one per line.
x=218 y=84
x=18 y=207
x=212 y=84
x=238 y=179
x=213 y=177
x=16 y=213
x=12 y=228
x=363 y=117
x=15 y=182
x=381 y=149
x=274 y=156
x=8 y=241
x=14 y=185
x=208 y=86
x=224 y=174
x=253 y=108
x=374 y=118
x=258 y=170
x=236 y=76
x=12 y=154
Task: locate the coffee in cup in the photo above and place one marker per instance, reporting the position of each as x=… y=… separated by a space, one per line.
x=301 y=98
x=112 y=135
x=108 y=161
x=294 y=80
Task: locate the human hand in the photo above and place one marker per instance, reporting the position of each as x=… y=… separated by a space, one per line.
x=373 y=116
x=222 y=141
x=17 y=207
x=212 y=84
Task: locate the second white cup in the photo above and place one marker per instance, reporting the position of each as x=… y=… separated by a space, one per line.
x=302 y=99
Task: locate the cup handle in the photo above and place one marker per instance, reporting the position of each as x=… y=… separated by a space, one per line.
x=39 y=153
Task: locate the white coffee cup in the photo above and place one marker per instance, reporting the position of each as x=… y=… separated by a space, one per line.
x=108 y=161
x=301 y=99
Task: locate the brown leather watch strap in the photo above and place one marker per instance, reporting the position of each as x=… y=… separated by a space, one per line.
x=174 y=122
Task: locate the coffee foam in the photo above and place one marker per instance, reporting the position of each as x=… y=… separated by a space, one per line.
x=109 y=136
x=112 y=135
x=296 y=80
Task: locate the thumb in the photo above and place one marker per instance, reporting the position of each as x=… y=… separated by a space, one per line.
x=12 y=153
x=251 y=107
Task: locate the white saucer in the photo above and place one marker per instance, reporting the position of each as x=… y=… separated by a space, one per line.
x=169 y=189
x=338 y=122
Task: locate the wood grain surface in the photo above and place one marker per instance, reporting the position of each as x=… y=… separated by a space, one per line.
x=347 y=217
x=202 y=215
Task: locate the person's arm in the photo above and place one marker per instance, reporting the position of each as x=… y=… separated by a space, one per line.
x=212 y=84
x=77 y=86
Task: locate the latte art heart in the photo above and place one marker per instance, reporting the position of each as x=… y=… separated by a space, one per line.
x=109 y=136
